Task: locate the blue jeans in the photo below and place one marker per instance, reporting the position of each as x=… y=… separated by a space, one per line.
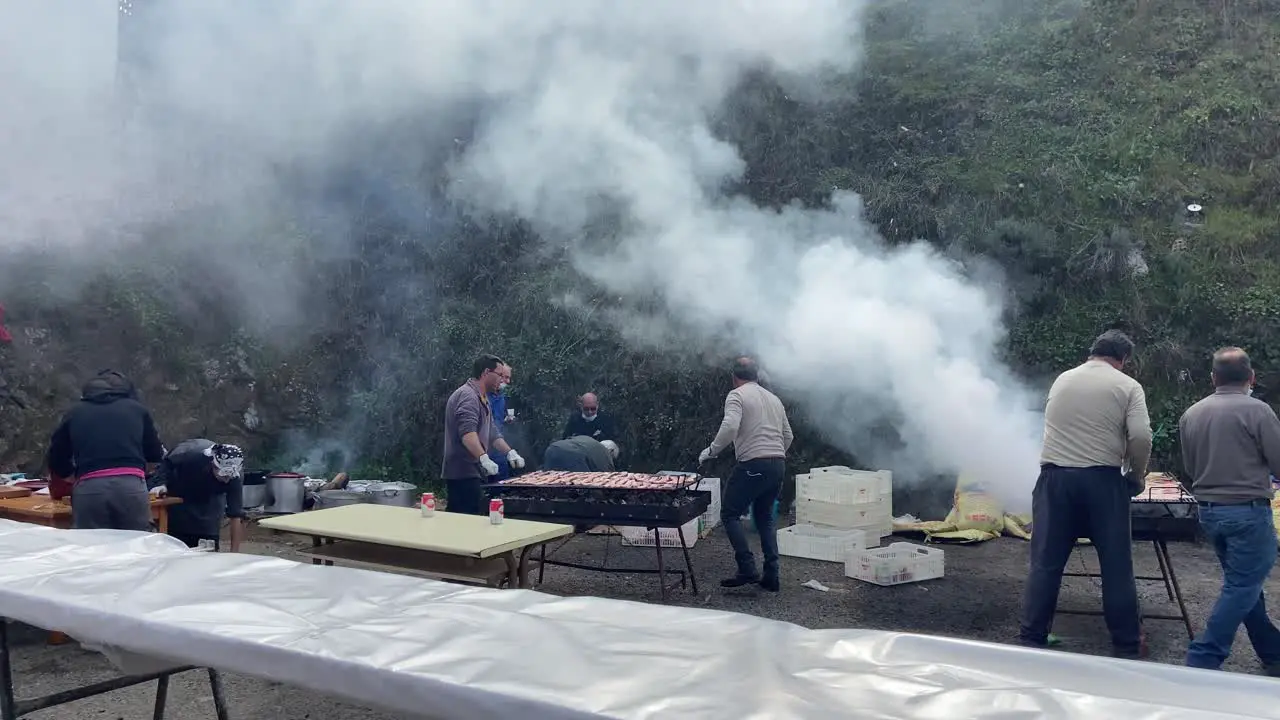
x=755 y=485
x=1244 y=536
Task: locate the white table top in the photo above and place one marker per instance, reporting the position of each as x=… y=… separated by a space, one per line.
x=445 y=532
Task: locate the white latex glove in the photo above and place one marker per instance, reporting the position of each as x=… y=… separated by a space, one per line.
x=704 y=457
x=516 y=461
x=159 y=490
x=490 y=467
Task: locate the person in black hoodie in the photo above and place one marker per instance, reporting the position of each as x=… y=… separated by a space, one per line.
x=102 y=447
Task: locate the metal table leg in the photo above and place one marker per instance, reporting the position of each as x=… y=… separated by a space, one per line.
x=1164 y=570
x=1162 y=549
x=688 y=563
x=662 y=570
x=219 y=699
x=162 y=697
x=8 y=707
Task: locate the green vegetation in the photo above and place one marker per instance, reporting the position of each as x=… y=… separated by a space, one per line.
x=1060 y=139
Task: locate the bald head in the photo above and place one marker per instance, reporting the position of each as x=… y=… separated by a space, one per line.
x=1231 y=368
x=590 y=404
x=745 y=370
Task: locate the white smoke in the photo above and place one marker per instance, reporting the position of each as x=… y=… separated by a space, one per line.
x=587 y=110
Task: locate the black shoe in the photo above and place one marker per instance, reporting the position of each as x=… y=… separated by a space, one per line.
x=739 y=581
x=770 y=583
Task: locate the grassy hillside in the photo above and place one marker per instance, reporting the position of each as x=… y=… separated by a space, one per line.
x=1060 y=140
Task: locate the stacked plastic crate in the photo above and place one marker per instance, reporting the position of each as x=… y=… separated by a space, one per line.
x=847 y=499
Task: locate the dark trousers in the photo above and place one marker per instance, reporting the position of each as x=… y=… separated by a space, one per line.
x=754 y=485
x=114 y=502
x=1244 y=537
x=466 y=496
x=1071 y=503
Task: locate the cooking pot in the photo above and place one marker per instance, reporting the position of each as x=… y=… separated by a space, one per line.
x=287 y=492
x=255 y=488
x=399 y=494
x=254 y=496
x=326 y=499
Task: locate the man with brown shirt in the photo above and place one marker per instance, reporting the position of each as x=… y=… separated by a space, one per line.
x=1230 y=449
x=756 y=424
x=1096 y=425
x=469 y=433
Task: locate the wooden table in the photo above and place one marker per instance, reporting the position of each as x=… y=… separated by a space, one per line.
x=43 y=510
x=448 y=546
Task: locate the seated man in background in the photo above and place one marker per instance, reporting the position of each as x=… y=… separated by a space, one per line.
x=580 y=454
x=589 y=421
x=209 y=478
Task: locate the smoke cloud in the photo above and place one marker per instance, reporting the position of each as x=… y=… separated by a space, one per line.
x=589 y=121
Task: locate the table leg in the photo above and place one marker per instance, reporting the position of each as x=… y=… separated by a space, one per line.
x=542 y=563
x=524 y=565
x=315 y=543
x=162 y=519
x=684 y=547
x=328 y=541
x=8 y=706
x=1164 y=570
x=162 y=698
x=1163 y=548
x=219 y=698
x=662 y=569
x=513 y=569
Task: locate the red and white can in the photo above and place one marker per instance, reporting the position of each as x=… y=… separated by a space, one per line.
x=496 y=512
x=428 y=504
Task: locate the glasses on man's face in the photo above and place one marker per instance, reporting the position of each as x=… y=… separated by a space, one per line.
x=589 y=409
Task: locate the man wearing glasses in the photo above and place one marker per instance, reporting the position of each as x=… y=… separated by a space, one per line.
x=469 y=434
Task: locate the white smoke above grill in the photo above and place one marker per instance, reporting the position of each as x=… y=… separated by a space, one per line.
x=587 y=110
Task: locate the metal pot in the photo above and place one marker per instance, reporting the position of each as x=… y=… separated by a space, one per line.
x=288 y=492
x=254 y=496
x=326 y=499
x=399 y=494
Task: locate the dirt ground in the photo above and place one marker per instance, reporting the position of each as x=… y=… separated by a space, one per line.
x=978 y=599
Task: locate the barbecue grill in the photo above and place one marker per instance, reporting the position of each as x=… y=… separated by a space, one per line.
x=1163 y=511
x=588 y=499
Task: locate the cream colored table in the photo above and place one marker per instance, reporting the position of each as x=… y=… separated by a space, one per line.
x=447 y=545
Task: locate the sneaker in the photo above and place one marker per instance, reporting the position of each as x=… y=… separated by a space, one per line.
x=770 y=583
x=739 y=581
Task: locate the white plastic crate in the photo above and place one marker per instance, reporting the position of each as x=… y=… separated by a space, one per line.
x=816 y=543
x=849 y=517
x=896 y=564
x=844 y=486
x=643 y=537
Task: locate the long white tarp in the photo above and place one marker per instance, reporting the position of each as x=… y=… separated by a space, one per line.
x=433 y=649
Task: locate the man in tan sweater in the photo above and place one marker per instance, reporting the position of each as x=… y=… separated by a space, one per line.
x=756 y=424
x=1097 y=441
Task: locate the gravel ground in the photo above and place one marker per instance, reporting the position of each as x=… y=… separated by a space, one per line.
x=978 y=599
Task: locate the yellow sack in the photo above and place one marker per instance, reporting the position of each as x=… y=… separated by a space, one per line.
x=963 y=536
x=975 y=509
x=1016 y=525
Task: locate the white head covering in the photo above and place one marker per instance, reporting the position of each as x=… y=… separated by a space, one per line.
x=612 y=447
